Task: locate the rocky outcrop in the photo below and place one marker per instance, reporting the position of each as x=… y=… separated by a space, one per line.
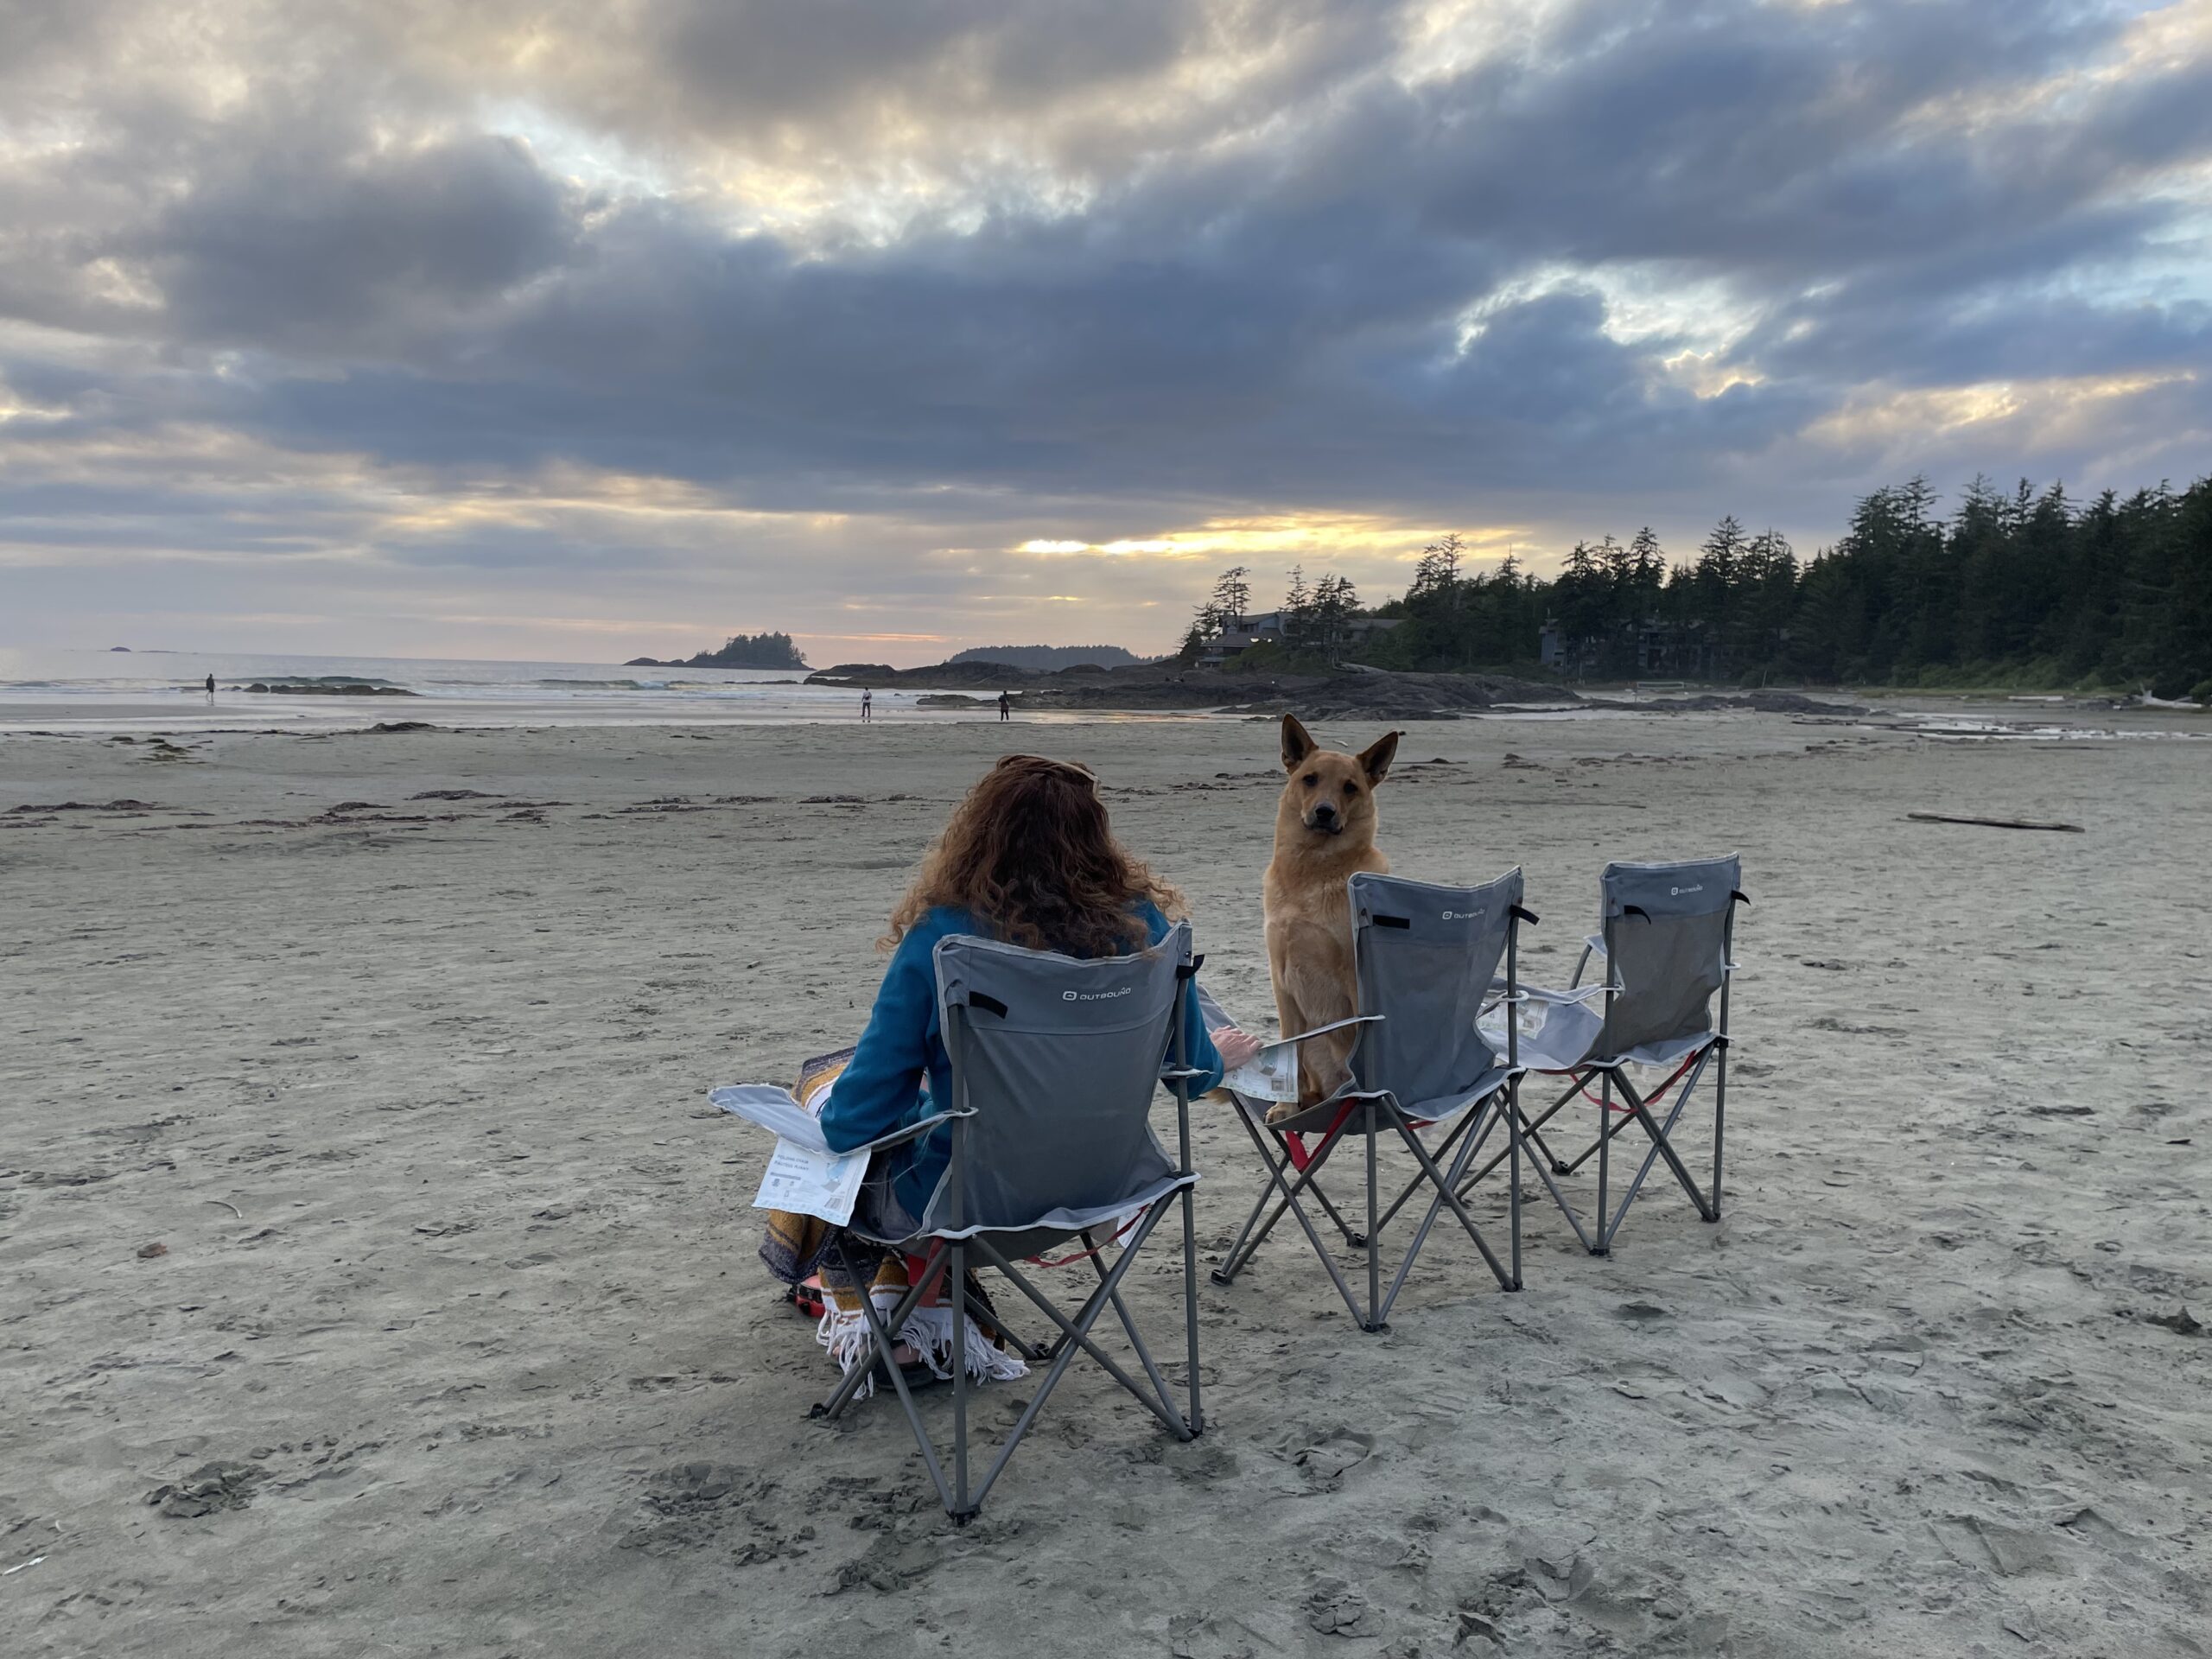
x=325 y=689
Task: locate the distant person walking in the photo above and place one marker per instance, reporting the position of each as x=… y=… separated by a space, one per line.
x=868 y=707
x=211 y=690
x=1006 y=707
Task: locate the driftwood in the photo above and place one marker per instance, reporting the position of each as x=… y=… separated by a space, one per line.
x=1995 y=824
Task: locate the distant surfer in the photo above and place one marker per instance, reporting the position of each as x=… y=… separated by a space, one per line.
x=1006 y=707
x=211 y=690
x=868 y=707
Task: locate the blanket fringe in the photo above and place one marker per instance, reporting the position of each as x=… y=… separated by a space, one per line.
x=928 y=1330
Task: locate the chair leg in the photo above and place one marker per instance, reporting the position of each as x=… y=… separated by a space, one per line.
x=1661 y=1146
x=1513 y=1167
x=850 y=1385
x=1617 y=1128
x=1543 y=1168
x=1248 y=1241
x=963 y=1511
x=1526 y=1133
x=1352 y=1240
x=1374 y=1319
x=1719 y=1116
x=1032 y=1352
x=1420 y=1233
x=885 y=1349
x=1290 y=1191
x=1079 y=1332
x=962 y=1500
x=1603 y=1246
x=1076 y=1333
x=1129 y=1327
x=1471 y=1120
x=1233 y=1263
x=1532 y=1133
x=1197 y=1420
x=1444 y=1190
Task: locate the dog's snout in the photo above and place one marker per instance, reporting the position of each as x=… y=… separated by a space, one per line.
x=1324 y=815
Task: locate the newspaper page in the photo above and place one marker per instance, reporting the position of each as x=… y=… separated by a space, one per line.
x=1272 y=1074
x=809 y=1182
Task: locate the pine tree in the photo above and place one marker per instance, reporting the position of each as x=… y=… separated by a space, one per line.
x=1232 y=597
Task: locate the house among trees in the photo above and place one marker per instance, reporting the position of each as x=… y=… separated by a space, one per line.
x=1658 y=648
x=1233 y=636
x=1324 y=620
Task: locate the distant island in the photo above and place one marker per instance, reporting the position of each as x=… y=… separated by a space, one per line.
x=1045 y=659
x=743 y=651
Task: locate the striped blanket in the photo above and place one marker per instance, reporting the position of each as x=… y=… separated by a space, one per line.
x=797 y=1247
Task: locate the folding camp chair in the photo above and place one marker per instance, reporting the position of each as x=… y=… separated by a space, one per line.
x=1666 y=942
x=1054 y=1061
x=1425 y=958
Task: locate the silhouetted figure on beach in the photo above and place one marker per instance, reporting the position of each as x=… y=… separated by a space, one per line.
x=868 y=707
x=1006 y=707
x=211 y=690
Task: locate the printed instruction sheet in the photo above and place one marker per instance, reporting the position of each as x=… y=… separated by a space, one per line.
x=1272 y=1074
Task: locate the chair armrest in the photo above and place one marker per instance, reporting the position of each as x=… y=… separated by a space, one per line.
x=1323 y=1031
x=1594 y=944
x=774 y=1108
x=1538 y=993
x=910 y=1131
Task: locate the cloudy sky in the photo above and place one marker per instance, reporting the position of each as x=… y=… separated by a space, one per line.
x=575 y=331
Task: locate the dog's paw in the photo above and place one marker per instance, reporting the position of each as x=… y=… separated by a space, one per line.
x=1283 y=1110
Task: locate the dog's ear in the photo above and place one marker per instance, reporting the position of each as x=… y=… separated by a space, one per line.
x=1297 y=743
x=1375 y=759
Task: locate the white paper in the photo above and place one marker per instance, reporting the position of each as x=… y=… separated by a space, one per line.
x=812 y=1183
x=1272 y=1074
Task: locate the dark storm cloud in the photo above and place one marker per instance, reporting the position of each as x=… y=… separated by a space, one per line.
x=1764 y=140
x=288 y=251
x=989 y=260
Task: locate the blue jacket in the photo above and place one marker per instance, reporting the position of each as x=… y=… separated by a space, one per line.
x=901 y=1064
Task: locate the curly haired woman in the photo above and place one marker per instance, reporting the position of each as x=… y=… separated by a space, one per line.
x=1029 y=859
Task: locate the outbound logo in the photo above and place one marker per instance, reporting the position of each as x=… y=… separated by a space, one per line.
x=1095 y=996
x=1676 y=892
x=1462 y=915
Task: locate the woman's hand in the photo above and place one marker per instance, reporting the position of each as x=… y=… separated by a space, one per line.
x=1235 y=1047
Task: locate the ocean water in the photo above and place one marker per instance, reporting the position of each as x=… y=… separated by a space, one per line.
x=44 y=689
x=51 y=690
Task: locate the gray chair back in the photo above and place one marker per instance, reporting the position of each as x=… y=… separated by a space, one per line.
x=1057 y=1058
x=1425 y=957
x=1666 y=933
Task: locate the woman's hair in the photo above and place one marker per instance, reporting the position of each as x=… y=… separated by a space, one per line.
x=1030 y=855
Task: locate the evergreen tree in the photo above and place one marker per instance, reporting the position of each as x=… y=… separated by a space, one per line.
x=1232 y=597
x=2021 y=584
x=1437 y=575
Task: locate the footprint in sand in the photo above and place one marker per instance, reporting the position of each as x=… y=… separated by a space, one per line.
x=1325 y=1460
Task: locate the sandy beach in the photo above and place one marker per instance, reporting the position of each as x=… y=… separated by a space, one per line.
x=398 y=1046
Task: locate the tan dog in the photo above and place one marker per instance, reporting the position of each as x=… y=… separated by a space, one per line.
x=1324 y=833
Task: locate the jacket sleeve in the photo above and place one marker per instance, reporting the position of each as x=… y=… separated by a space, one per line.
x=878 y=1089
x=1197 y=1046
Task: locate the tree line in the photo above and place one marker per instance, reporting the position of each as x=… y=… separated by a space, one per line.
x=2009 y=588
